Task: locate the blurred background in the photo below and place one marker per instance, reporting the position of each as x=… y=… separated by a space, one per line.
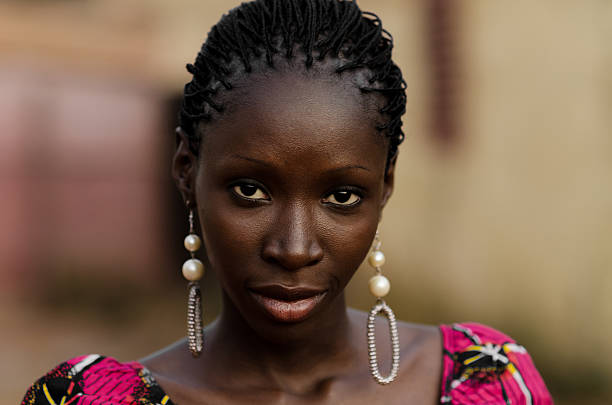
x=502 y=212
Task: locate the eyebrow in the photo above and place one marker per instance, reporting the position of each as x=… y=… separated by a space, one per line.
x=264 y=163
x=250 y=159
x=337 y=169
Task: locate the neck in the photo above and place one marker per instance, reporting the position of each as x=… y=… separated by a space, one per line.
x=291 y=357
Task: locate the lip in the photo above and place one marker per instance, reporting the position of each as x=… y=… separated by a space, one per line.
x=287 y=304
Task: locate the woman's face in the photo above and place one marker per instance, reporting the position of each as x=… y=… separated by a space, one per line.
x=289 y=187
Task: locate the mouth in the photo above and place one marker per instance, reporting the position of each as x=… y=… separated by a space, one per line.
x=287 y=304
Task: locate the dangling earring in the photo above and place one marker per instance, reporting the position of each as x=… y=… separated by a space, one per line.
x=193 y=270
x=379 y=287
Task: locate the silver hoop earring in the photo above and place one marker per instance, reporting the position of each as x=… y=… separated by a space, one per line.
x=193 y=271
x=379 y=287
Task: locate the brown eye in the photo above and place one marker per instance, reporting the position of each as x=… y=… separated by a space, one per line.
x=250 y=191
x=343 y=197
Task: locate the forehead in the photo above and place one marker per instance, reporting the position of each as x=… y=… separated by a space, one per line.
x=284 y=112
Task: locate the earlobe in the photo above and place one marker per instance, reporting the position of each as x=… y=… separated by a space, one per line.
x=184 y=164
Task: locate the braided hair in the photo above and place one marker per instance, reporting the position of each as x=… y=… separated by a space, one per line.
x=264 y=29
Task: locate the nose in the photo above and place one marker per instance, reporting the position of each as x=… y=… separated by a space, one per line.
x=292 y=242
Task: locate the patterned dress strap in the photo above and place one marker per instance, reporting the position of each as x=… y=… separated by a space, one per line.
x=482 y=365
x=96 y=379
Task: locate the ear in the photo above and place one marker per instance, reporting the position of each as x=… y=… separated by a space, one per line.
x=389 y=180
x=184 y=168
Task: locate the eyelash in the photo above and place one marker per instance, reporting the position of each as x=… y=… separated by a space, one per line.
x=353 y=192
x=234 y=188
x=258 y=187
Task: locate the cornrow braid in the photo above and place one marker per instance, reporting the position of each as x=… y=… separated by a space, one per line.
x=320 y=28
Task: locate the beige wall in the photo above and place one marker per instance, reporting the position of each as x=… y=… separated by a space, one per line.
x=513 y=226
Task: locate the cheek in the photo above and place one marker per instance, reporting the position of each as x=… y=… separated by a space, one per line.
x=347 y=243
x=231 y=240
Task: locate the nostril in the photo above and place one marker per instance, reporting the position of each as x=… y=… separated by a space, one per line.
x=316 y=254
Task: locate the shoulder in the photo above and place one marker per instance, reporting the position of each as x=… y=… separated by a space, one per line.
x=94 y=377
x=484 y=365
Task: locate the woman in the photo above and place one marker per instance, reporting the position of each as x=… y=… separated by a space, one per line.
x=286 y=154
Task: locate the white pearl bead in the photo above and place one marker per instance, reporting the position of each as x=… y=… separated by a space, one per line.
x=379 y=286
x=192 y=242
x=193 y=270
x=376 y=258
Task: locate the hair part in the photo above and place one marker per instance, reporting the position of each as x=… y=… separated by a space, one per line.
x=317 y=29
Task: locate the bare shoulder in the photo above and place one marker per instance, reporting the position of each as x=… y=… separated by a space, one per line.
x=428 y=335
x=418 y=341
x=420 y=375
x=423 y=347
x=422 y=356
x=177 y=372
x=168 y=362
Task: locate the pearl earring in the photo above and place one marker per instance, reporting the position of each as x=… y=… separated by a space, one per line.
x=379 y=287
x=193 y=271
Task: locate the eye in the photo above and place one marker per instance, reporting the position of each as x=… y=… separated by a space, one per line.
x=343 y=198
x=250 y=191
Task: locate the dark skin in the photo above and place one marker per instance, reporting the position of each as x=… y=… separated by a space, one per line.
x=289 y=186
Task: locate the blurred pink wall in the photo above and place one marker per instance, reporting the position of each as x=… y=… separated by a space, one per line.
x=79 y=164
